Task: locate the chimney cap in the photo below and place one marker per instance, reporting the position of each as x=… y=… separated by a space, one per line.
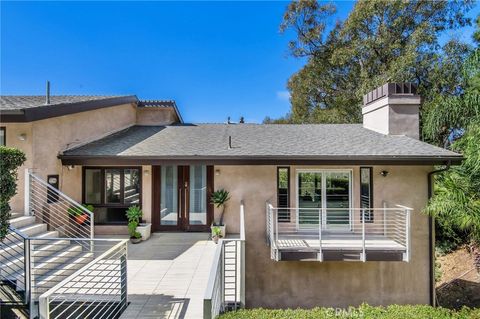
x=389 y=89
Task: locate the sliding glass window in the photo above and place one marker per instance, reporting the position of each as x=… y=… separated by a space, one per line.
x=111 y=190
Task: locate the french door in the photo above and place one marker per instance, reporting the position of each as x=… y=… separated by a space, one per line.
x=324 y=195
x=181 y=197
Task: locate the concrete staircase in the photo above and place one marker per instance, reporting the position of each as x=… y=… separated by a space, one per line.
x=51 y=261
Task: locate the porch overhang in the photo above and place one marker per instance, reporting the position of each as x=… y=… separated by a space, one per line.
x=260 y=160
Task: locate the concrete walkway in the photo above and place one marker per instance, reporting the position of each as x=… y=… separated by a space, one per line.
x=168 y=274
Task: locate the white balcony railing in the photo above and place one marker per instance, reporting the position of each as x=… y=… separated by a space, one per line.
x=324 y=230
x=226 y=283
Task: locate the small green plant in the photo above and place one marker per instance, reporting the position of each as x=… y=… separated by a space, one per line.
x=77 y=211
x=217 y=231
x=134 y=214
x=220 y=198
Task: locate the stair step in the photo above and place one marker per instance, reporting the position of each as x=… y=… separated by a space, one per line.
x=56 y=260
x=32 y=230
x=22 y=221
x=16 y=214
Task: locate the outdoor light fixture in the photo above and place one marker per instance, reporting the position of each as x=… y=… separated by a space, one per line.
x=217 y=172
x=146 y=172
x=70 y=167
x=384 y=173
x=22 y=137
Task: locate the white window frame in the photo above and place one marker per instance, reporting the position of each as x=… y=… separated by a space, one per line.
x=324 y=191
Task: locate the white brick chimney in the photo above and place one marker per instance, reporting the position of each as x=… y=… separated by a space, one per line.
x=393 y=109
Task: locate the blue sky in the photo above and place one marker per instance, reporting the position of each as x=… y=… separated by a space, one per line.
x=216 y=59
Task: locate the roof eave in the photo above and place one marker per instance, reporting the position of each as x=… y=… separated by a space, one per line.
x=49 y=111
x=259 y=160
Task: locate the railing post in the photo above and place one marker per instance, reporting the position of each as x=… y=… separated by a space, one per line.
x=364 y=256
x=123 y=280
x=27 y=274
x=242 y=274
x=26 y=192
x=407 y=234
x=320 y=252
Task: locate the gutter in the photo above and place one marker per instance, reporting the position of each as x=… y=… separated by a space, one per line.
x=431 y=228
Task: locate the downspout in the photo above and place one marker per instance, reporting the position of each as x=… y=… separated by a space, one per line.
x=431 y=228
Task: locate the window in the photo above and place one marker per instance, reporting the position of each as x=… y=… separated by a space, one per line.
x=283 y=193
x=3 y=136
x=366 y=194
x=111 y=190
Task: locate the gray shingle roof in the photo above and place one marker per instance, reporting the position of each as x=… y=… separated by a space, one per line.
x=308 y=141
x=20 y=102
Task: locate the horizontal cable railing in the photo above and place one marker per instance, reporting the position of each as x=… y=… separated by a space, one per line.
x=97 y=290
x=57 y=210
x=226 y=283
x=12 y=259
x=320 y=229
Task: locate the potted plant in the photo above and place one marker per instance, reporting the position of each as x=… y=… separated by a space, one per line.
x=216 y=233
x=220 y=198
x=79 y=215
x=134 y=214
x=143 y=227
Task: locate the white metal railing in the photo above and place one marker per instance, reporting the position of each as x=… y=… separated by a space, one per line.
x=321 y=229
x=226 y=283
x=50 y=206
x=97 y=290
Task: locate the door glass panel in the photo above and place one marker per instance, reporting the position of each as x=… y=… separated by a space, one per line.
x=113 y=187
x=309 y=199
x=337 y=191
x=198 y=195
x=169 y=195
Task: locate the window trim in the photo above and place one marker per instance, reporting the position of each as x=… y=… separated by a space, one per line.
x=288 y=192
x=103 y=186
x=371 y=218
x=4 y=129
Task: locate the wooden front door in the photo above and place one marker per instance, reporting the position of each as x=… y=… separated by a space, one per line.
x=181 y=197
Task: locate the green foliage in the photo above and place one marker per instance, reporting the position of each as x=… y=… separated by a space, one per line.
x=379 y=42
x=10 y=160
x=364 y=311
x=216 y=231
x=220 y=197
x=77 y=211
x=134 y=215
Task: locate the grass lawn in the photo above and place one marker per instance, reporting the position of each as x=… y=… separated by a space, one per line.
x=364 y=311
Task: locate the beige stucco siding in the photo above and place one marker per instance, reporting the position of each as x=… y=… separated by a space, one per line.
x=156 y=116
x=340 y=284
x=45 y=139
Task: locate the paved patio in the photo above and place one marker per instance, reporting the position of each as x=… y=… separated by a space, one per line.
x=168 y=274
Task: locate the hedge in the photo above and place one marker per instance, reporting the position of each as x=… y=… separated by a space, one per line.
x=10 y=160
x=364 y=311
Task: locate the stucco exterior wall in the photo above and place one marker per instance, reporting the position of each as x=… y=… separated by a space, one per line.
x=156 y=116
x=339 y=284
x=46 y=138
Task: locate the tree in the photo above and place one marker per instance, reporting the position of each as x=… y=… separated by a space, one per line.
x=456 y=204
x=10 y=160
x=379 y=42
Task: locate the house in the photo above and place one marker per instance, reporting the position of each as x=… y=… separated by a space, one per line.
x=332 y=212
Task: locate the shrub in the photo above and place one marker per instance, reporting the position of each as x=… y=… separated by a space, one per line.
x=10 y=160
x=364 y=311
x=134 y=214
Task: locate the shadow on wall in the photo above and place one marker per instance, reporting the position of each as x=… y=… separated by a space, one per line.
x=459 y=293
x=155 y=306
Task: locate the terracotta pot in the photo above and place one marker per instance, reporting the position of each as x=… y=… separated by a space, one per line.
x=80 y=219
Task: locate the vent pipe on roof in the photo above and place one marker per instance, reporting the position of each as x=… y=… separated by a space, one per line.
x=230 y=142
x=47 y=96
